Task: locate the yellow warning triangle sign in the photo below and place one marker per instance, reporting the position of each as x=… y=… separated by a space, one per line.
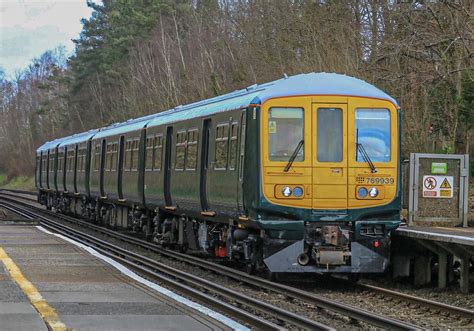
x=445 y=184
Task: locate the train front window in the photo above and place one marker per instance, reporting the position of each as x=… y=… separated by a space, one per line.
x=285 y=133
x=373 y=133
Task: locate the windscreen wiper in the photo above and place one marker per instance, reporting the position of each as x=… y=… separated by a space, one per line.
x=294 y=155
x=360 y=148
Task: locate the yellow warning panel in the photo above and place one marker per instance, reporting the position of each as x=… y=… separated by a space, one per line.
x=445 y=184
x=445 y=193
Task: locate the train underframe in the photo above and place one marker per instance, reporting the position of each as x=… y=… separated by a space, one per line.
x=337 y=247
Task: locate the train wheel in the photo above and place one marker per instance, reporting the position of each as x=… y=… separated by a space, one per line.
x=183 y=248
x=250 y=268
x=271 y=276
x=354 y=278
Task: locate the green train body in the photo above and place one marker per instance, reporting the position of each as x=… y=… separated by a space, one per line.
x=225 y=175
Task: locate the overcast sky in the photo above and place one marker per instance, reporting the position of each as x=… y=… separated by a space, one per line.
x=28 y=28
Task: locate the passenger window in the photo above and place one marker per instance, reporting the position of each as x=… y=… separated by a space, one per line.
x=108 y=151
x=180 y=150
x=97 y=156
x=149 y=154
x=329 y=134
x=233 y=146
x=114 y=157
x=285 y=133
x=135 y=155
x=128 y=155
x=44 y=160
x=222 y=137
x=191 y=155
x=51 y=162
x=60 y=161
x=158 y=150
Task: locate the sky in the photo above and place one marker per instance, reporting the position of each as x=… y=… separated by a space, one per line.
x=28 y=28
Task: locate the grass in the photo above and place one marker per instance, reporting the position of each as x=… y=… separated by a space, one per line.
x=17 y=183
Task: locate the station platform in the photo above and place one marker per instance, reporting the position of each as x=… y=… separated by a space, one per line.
x=447 y=243
x=49 y=283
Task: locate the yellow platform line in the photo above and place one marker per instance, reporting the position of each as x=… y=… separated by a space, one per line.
x=47 y=313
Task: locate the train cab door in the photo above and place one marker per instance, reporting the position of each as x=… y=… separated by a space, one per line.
x=330 y=177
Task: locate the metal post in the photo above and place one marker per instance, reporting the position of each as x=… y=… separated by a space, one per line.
x=464 y=280
x=442 y=268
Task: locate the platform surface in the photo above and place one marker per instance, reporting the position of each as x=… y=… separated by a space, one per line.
x=85 y=292
x=461 y=236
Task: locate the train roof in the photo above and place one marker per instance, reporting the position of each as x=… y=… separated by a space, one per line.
x=298 y=85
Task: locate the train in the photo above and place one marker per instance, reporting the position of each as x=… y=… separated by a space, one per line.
x=297 y=175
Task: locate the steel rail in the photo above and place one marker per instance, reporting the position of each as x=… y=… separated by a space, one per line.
x=154 y=268
x=462 y=312
x=319 y=301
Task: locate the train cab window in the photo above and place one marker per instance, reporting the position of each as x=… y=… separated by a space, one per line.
x=329 y=134
x=128 y=155
x=96 y=156
x=373 y=134
x=233 y=146
x=157 y=152
x=285 y=133
x=135 y=145
x=222 y=138
x=180 y=150
x=191 y=152
x=149 y=154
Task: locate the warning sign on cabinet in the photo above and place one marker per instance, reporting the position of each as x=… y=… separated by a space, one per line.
x=437 y=186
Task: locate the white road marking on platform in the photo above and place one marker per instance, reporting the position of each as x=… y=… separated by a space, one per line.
x=206 y=311
x=437 y=234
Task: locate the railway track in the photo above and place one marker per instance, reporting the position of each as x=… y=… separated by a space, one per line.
x=352 y=312
x=181 y=281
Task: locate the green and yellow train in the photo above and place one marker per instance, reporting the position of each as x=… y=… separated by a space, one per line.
x=301 y=174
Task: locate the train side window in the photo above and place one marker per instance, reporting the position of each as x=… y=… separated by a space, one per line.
x=107 y=157
x=128 y=155
x=69 y=160
x=51 y=162
x=80 y=160
x=114 y=157
x=233 y=146
x=135 y=155
x=149 y=153
x=222 y=137
x=60 y=161
x=158 y=152
x=192 y=148
x=96 y=156
x=329 y=134
x=180 y=150
x=45 y=163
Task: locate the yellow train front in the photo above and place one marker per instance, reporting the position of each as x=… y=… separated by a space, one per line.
x=325 y=190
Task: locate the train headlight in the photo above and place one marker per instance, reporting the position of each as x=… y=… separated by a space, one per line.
x=286 y=191
x=298 y=192
x=362 y=192
x=373 y=192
